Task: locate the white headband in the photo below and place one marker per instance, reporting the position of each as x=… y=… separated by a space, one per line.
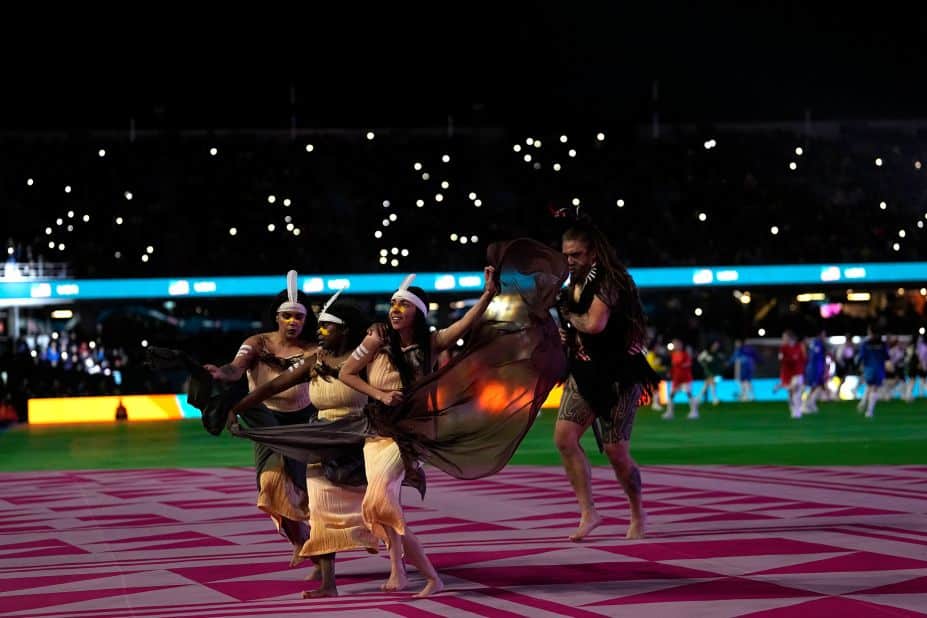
x=291 y=303
x=325 y=316
x=403 y=293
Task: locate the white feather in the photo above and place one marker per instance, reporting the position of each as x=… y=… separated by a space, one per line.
x=407 y=281
x=332 y=300
x=291 y=286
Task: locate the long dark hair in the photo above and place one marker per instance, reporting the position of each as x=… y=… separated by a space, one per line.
x=311 y=324
x=421 y=335
x=613 y=272
x=355 y=322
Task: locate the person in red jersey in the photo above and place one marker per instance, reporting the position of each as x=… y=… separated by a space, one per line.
x=681 y=377
x=792 y=360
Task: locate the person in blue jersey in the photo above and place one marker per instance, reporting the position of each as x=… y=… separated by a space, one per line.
x=744 y=361
x=815 y=372
x=873 y=354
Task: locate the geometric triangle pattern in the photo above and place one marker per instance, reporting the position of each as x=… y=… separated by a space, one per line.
x=722 y=541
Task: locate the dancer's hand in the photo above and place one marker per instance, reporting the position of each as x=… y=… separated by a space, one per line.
x=563 y=336
x=391 y=398
x=491 y=287
x=379 y=329
x=214 y=371
x=232 y=418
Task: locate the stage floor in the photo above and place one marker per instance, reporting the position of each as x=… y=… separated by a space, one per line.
x=723 y=541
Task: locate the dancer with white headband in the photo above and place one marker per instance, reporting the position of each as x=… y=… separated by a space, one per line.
x=281 y=481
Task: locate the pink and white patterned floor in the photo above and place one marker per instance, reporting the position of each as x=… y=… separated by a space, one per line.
x=724 y=541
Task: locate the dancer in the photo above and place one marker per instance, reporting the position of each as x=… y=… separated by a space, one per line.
x=605 y=333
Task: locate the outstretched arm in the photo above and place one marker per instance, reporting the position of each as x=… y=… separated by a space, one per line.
x=446 y=337
x=243 y=360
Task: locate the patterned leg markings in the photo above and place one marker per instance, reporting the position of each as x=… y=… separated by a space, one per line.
x=722 y=541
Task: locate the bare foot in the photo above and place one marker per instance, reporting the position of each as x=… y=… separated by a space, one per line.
x=432 y=586
x=636 y=528
x=586 y=525
x=296 y=559
x=395 y=583
x=320 y=592
x=314 y=575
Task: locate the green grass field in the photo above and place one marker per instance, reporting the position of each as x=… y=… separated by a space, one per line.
x=733 y=433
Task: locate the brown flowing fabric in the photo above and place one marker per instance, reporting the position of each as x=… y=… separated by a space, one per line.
x=468 y=418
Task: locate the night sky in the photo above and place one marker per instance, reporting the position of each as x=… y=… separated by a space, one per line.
x=534 y=65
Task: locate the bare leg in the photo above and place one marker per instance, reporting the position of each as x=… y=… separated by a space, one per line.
x=397 y=570
x=566 y=437
x=326 y=566
x=629 y=476
x=419 y=559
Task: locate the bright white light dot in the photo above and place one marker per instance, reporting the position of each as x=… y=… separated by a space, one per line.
x=233 y=231
x=620 y=203
x=394 y=262
x=297 y=231
x=213 y=151
x=917 y=165
x=405 y=253
x=59 y=221
x=119 y=221
x=698 y=311
x=439 y=197
x=702 y=216
x=896 y=247
x=474 y=238
x=517 y=147
x=425 y=175
x=70 y=214
x=67 y=188
x=101 y=152
x=386 y=203
x=371 y=135
x=10 y=250
x=149 y=249
x=799 y=151
x=128 y=195
x=563 y=139
x=417 y=167
x=309 y=147
x=117 y=255
x=290 y=227
x=527 y=158
x=463 y=240
x=30 y=182
x=761 y=332
x=920 y=225
x=393 y=217
x=419 y=203
x=576 y=201
x=556 y=167
x=472 y=195
x=394 y=250
x=445 y=184
x=922 y=330
x=70 y=228
x=145 y=258
x=51 y=245
x=385 y=222
x=883 y=205
x=572 y=152
x=384 y=252
x=48 y=230
x=378 y=234
x=287 y=202
x=793 y=166
x=460 y=343
x=878 y=161
x=446 y=158
x=537 y=143
x=453 y=237
x=774 y=230
x=477 y=203
x=383 y=260
x=600 y=137
x=144 y=343
x=901 y=233
x=271 y=227
x=86 y=218
x=529 y=141
x=271 y=199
